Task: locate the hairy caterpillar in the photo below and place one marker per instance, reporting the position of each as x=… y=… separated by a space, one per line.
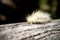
x=38 y=17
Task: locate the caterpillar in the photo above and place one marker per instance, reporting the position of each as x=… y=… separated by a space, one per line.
x=38 y=17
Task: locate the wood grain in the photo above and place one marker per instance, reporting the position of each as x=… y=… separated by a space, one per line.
x=25 y=31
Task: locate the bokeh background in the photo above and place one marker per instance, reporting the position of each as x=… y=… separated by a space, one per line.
x=14 y=11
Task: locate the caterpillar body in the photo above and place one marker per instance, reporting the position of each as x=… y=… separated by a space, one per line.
x=38 y=17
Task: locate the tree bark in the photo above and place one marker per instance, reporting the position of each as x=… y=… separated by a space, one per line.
x=25 y=31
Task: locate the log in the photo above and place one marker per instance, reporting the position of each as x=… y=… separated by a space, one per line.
x=25 y=31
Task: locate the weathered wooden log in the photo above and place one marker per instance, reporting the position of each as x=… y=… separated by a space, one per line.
x=25 y=31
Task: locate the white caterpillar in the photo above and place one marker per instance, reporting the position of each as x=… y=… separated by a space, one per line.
x=38 y=16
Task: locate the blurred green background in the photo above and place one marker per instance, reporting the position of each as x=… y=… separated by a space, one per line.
x=49 y=6
x=13 y=11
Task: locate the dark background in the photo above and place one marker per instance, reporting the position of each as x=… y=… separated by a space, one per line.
x=23 y=8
